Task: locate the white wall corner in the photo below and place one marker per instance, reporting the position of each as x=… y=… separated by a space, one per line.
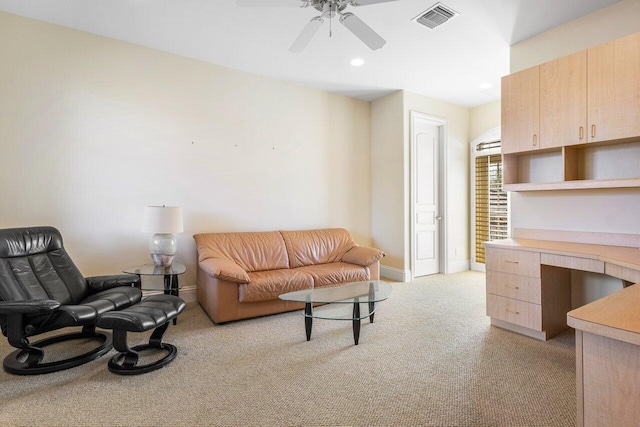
x=395 y=273
x=457 y=266
x=478 y=266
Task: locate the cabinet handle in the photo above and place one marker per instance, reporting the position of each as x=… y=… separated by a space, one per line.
x=593 y=131
x=511 y=311
x=512 y=287
x=581 y=132
x=510 y=262
x=535 y=140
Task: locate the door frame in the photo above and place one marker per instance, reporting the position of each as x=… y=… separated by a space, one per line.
x=442 y=190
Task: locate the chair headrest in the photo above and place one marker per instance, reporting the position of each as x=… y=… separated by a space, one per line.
x=15 y=242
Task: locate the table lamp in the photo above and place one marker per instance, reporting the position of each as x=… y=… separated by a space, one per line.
x=163 y=221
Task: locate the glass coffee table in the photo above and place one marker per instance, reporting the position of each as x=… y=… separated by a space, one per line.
x=368 y=293
x=169 y=274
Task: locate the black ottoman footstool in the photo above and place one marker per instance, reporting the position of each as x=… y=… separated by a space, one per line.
x=156 y=312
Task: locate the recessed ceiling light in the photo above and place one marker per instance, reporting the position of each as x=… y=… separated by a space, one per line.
x=485 y=85
x=357 y=62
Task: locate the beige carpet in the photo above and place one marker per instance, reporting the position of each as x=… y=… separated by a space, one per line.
x=430 y=358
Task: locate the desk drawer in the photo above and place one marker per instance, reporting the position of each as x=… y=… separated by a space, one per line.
x=522 y=288
x=514 y=311
x=511 y=261
x=572 y=262
x=623 y=273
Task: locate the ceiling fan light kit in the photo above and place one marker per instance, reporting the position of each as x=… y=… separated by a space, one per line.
x=329 y=9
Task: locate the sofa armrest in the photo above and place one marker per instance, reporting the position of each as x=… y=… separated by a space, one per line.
x=100 y=283
x=362 y=256
x=42 y=306
x=224 y=269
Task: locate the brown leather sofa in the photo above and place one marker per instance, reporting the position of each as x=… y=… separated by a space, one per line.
x=240 y=275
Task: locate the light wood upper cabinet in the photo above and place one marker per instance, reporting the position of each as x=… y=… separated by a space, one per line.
x=614 y=89
x=521 y=111
x=563 y=101
x=574 y=123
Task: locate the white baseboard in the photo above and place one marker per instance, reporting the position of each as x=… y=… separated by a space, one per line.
x=188 y=294
x=405 y=275
x=457 y=266
x=395 y=273
x=478 y=266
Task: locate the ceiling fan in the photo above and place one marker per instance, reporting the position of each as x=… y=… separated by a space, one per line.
x=329 y=9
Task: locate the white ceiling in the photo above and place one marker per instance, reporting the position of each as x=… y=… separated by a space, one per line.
x=448 y=63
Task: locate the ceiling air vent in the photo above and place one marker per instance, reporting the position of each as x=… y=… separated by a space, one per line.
x=436 y=15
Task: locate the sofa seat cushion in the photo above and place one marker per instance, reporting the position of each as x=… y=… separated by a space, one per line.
x=335 y=273
x=267 y=285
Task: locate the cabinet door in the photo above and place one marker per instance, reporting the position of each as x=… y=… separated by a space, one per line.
x=614 y=89
x=521 y=111
x=563 y=101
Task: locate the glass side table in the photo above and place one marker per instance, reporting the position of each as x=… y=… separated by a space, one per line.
x=170 y=275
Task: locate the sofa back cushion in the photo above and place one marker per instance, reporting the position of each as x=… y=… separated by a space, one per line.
x=252 y=251
x=312 y=247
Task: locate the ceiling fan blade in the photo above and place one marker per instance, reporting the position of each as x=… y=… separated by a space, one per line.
x=306 y=35
x=362 y=31
x=271 y=3
x=368 y=2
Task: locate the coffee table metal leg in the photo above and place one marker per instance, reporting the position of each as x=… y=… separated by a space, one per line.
x=356 y=321
x=372 y=304
x=171 y=287
x=308 y=320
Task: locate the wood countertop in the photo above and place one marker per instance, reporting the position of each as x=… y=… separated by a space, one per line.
x=615 y=316
x=619 y=255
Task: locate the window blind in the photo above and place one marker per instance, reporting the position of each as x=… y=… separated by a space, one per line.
x=491 y=201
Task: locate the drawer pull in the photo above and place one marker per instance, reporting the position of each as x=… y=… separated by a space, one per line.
x=510 y=262
x=512 y=287
x=511 y=311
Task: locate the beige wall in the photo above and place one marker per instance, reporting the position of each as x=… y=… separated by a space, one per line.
x=483 y=118
x=599 y=27
x=390 y=118
x=93 y=129
x=387 y=178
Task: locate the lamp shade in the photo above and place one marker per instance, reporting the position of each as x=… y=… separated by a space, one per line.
x=162 y=219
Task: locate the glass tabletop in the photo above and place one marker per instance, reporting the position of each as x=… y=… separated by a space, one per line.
x=154 y=270
x=367 y=291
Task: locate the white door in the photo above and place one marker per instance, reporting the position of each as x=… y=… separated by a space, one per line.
x=426 y=236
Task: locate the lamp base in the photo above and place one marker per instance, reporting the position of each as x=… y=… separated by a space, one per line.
x=162 y=247
x=162 y=260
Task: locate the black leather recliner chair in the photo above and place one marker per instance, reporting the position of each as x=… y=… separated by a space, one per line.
x=42 y=290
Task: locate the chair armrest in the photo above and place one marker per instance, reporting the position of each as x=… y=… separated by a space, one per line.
x=41 y=306
x=100 y=283
x=224 y=269
x=362 y=256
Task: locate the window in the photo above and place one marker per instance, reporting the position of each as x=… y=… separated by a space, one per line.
x=490 y=202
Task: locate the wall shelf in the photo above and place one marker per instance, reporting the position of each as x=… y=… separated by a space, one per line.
x=574 y=185
x=587 y=166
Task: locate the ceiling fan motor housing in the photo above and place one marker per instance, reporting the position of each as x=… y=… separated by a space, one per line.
x=328 y=7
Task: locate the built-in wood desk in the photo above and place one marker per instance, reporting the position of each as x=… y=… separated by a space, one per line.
x=608 y=359
x=529 y=291
x=529 y=280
